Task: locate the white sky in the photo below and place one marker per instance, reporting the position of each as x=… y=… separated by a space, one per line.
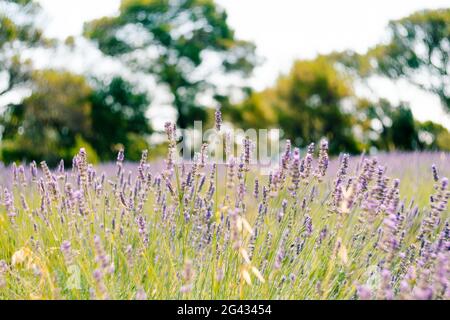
x=285 y=30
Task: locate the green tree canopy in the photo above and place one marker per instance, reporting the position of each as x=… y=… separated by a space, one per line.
x=46 y=124
x=315 y=100
x=307 y=104
x=118 y=119
x=65 y=112
x=177 y=42
x=418 y=51
x=419 y=48
x=386 y=126
x=433 y=136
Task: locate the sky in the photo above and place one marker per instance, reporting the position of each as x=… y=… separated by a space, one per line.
x=285 y=30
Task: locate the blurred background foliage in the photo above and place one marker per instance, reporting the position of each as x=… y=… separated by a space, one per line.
x=179 y=34
x=175 y=42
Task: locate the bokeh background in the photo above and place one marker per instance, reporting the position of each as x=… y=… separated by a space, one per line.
x=370 y=76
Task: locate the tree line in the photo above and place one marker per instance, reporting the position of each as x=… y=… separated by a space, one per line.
x=184 y=45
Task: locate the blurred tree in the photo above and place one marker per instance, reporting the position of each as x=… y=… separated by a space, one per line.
x=65 y=112
x=255 y=111
x=45 y=124
x=403 y=130
x=386 y=127
x=118 y=119
x=418 y=51
x=433 y=136
x=178 y=42
x=17 y=33
x=307 y=103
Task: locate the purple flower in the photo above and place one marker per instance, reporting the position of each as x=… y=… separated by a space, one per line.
x=364 y=292
x=218 y=119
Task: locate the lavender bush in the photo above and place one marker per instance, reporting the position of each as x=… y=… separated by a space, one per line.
x=347 y=228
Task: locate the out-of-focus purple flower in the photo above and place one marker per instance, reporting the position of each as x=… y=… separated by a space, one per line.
x=435 y=173
x=323 y=160
x=218 y=119
x=8 y=199
x=364 y=292
x=141 y=295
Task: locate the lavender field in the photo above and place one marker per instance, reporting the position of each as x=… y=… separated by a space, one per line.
x=315 y=228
